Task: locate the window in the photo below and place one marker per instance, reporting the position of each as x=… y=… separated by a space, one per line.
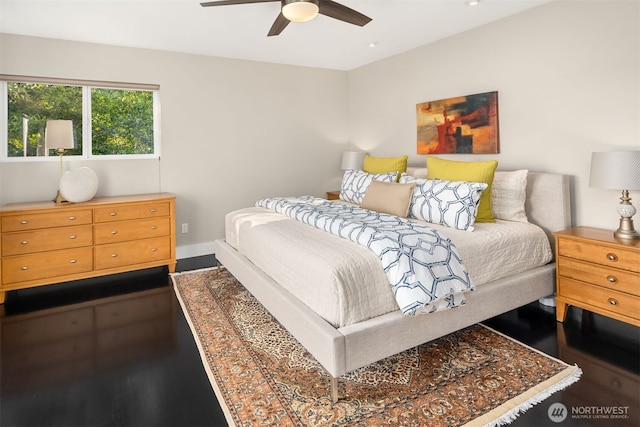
x=109 y=119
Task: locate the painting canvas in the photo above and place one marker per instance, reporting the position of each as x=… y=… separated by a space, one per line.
x=465 y=124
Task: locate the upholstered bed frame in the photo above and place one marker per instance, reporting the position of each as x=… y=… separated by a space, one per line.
x=341 y=350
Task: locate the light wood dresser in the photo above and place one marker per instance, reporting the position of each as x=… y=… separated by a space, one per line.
x=599 y=273
x=45 y=243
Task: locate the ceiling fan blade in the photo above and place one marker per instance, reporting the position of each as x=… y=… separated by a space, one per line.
x=343 y=13
x=233 y=2
x=278 y=25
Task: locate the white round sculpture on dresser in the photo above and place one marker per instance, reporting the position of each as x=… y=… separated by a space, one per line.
x=79 y=185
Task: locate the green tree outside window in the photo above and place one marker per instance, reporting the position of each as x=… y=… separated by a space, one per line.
x=121 y=121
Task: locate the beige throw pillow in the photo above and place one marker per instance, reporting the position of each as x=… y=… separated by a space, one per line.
x=509 y=192
x=388 y=197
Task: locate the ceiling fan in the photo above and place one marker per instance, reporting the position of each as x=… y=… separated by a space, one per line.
x=302 y=11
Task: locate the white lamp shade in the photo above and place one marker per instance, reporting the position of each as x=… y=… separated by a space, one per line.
x=615 y=170
x=300 y=10
x=352 y=160
x=59 y=134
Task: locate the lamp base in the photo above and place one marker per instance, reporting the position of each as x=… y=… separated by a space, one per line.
x=59 y=199
x=626 y=230
x=626 y=211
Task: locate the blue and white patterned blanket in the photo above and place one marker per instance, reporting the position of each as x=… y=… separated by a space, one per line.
x=423 y=268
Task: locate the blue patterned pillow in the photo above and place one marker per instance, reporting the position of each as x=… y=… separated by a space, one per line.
x=450 y=203
x=355 y=183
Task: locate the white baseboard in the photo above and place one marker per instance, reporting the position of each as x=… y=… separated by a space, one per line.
x=189 y=251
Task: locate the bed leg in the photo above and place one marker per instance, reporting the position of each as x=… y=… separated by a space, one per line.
x=334 y=390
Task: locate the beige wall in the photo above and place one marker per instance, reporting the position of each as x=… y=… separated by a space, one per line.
x=567 y=73
x=568 y=80
x=232 y=131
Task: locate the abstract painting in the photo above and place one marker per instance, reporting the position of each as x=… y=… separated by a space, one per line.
x=464 y=124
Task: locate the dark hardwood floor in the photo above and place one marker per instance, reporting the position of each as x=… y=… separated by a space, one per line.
x=117 y=351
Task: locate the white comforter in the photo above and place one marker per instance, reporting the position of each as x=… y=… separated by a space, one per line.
x=424 y=269
x=328 y=273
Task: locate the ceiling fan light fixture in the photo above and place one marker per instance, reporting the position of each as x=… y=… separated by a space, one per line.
x=300 y=10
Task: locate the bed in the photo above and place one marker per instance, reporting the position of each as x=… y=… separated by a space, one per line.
x=272 y=254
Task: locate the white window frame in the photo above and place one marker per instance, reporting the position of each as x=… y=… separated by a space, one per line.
x=86 y=85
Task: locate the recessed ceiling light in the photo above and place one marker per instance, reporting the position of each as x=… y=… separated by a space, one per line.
x=373 y=44
x=473 y=2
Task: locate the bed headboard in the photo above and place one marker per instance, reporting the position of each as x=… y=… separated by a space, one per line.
x=548 y=202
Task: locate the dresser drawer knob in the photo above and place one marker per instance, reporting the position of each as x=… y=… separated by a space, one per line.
x=153 y=227
x=114 y=255
x=612 y=257
x=612 y=279
x=613 y=301
x=24 y=221
x=24 y=268
x=154 y=250
x=72 y=261
x=113 y=214
x=152 y=210
x=72 y=237
x=72 y=218
x=24 y=242
x=114 y=232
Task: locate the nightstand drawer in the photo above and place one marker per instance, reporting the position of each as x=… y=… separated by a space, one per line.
x=607 y=277
x=596 y=296
x=34 y=221
x=127 y=212
x=46 y=264
x=134 y=252
x=46 y=240
x=121 y=231
x=617 y=257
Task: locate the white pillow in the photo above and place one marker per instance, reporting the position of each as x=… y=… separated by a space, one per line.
x=508 y=194
x=355 y=183
x=417 y=172
x=450 y=203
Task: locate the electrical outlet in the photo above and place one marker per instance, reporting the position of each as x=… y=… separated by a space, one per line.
x=185 y=228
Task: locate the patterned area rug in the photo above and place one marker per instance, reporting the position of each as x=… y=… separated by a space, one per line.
x=262 y=376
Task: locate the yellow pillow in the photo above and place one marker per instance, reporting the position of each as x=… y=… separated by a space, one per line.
x=452 y=170
x=385 y=164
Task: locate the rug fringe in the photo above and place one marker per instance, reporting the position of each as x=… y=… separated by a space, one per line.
x=538 y=394
x=511 y=415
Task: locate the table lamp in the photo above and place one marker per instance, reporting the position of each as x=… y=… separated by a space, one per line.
x=618 y=170
x=352 y=160
x=58 y=135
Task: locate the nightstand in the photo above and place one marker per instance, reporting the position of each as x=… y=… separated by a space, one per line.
x=599 y=273
x=333 y=195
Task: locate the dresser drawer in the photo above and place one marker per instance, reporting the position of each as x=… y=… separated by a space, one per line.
x=605 y=299
x=34 y=221
x=607 y=277
x=46 y=264
x=134 y=252
x=46 y=240
x=626 y=259
x=121 y=231
x=127 y=212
